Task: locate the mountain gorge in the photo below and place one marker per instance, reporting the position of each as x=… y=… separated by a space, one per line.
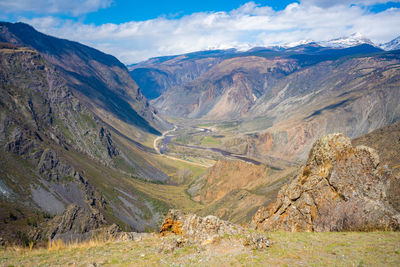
x=276 y=97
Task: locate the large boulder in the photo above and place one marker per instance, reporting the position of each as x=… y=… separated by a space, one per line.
x=196 y=228
x=341 y=188
x=191 y=229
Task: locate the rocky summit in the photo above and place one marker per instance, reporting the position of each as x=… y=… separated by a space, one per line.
x=340 y=188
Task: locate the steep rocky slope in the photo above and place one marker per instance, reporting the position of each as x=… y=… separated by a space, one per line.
x=157 y=75
x=225 y=176
x=99 y=80
x=353 y=95
x=341 y=188
x=56 y=152
x=227 y=90
x=232 y=81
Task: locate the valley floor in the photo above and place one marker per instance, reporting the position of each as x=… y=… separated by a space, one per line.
x=287 y=249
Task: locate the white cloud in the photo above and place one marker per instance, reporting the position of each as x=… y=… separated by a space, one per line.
x=329 y=3
x=71 y=7
x=249 y=25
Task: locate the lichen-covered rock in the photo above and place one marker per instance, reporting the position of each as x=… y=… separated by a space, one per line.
x=341 y=188
x=199 y=229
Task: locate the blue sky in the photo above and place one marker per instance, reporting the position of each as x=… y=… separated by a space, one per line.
x=123 y=11
x=136 y=30
x=120 y=11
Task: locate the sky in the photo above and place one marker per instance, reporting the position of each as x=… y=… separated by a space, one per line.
x=134 y=30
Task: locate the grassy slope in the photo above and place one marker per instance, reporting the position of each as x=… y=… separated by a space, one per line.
x=288 y=249
x=161 y=196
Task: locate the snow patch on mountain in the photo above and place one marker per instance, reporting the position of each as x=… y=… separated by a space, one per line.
x=349 y=41
x=392 y=45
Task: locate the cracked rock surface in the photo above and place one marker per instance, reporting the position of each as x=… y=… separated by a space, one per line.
x=341 y=188
x=200 y=229
x=182 y=229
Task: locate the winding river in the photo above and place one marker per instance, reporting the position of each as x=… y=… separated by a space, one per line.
x=165 y=139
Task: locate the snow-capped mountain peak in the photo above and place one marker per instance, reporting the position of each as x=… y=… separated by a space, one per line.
x=301 y=42
x=343 y=42
x=392 y=45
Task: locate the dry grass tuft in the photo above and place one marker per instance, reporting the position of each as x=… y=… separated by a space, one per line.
x=96 y=241
x=56 y=245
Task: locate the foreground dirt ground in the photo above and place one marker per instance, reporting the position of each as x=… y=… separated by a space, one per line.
x=287 y=249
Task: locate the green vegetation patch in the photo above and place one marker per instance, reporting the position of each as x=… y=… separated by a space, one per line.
x=211 y=141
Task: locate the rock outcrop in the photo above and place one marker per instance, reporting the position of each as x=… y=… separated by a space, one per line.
x=79 y=224
x=199 y=229
x=193 y=229
x=341 y=188
x=75 y=223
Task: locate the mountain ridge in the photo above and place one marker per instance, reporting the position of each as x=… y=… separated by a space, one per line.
x=59 y=150
x=100 y=79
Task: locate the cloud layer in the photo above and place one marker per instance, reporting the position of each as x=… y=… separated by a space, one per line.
x=70 y=7
x=249 y=25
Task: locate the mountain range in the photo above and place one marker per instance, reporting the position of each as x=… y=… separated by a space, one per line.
x=81 y=134
x=281 y=100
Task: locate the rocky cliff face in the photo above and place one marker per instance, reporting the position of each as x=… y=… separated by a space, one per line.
x=37 y=105
x=55 y=151
x=157 y=75
x=354 y=96
x=100 y=80
x=227 y=90
x=73 y=224
x=341 y=188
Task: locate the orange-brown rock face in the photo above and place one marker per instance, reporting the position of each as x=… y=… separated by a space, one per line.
x=171 y=225
x=226 y=176
x=341 y=188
